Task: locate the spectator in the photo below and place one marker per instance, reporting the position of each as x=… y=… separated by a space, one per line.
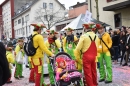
x=109 y=31
x=4 y=66
x=115 y=39
x=123 y=42
x=127 y=49
x=123 y=28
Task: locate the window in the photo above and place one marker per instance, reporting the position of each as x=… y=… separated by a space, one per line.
x=109 y=0
x=27 y=17
x=45 y=17
x=51 y=5
x=117 y=18
x=51 y=17
x=22 y=20
x=44 y=5
x=19 y=21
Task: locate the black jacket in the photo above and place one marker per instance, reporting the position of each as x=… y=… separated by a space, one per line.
x=4 y=66
x=123 y=38
x=128 y=43
x=115 y=40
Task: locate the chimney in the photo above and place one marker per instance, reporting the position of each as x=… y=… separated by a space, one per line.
x=78 y=3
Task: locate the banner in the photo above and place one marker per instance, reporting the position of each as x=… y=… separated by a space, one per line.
x=88 y=17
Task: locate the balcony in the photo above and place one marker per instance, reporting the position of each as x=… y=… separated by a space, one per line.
x=117 y=6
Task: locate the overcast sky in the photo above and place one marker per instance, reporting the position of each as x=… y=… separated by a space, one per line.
x=67 y=3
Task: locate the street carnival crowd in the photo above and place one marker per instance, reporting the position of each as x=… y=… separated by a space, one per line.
x=92 y=50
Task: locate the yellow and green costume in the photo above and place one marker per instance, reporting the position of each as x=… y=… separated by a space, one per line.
x=19 y=67
x=104 y=55
x=54 y=48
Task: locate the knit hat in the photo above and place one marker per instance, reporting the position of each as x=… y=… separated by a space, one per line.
x=52 y=32
x=59 y=60
x=69 y=29
x=39 y=26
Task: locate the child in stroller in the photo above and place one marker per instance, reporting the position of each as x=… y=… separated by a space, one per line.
x=66 y=72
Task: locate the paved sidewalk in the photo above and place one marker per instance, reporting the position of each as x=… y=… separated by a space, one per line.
x=121 y=77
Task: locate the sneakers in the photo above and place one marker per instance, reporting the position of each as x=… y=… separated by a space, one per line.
x=101 y=80
x=9 y=82
x=17 y=78
x=27 y=66
x=30 y=81
x=21 y=77
x=125 y=64
x=107 y=82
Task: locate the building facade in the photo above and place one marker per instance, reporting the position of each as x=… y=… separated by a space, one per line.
x=73 y=12
x=36 y=12
x=113 y=12
x=7 y=12
x=1 y=23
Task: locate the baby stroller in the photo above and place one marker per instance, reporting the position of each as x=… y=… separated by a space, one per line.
x=74 y=77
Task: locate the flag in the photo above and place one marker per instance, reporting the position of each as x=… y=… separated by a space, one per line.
x=87 y=17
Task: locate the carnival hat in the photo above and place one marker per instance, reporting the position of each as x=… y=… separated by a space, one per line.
x=99 y=26
x=89 y=25
x=69 y=29
x=39 y=26
x=52 y=32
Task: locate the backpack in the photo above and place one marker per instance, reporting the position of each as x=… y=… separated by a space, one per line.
x=28 y=47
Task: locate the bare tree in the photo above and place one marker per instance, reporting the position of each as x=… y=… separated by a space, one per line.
x=49 y=17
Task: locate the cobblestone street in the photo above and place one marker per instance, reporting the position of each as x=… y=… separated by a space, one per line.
x=121 y=77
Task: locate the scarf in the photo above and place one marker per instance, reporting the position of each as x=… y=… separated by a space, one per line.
x=50 y=40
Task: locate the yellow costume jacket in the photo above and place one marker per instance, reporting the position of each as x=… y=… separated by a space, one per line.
x=57 y=42
x=10 y=58
x=101 y=46
x=64 y=42
x=83 y=45
x=38 y=41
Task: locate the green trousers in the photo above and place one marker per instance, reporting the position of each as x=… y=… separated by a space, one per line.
x=105 y=73
x=18 y=70
x=51 y=74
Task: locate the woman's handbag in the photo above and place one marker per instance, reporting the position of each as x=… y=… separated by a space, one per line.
x=19 y=58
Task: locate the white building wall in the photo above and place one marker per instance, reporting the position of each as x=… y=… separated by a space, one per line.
x=107 y=16
x=20 y=29
x=6 y=12
x=39 y=4
x=32 y=14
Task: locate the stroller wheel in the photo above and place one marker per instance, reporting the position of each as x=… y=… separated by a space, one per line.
x=77 y=83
